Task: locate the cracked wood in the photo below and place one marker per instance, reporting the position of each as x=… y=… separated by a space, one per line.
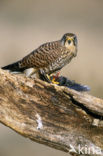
x=49 y=114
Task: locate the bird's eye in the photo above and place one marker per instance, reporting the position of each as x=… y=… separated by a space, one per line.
x=69 y=41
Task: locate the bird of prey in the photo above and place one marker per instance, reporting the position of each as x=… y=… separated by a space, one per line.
x=48 y=58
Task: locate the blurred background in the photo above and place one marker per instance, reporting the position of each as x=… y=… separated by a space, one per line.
x=24 y=25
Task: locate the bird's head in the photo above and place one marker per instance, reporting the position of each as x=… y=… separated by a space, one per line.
x=69 y=40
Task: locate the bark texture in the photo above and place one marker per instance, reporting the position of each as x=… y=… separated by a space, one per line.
x=52 y=115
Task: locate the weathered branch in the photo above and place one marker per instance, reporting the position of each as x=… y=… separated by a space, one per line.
x=49 y=114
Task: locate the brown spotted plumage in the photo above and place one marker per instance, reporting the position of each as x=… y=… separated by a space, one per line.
x=49 y=57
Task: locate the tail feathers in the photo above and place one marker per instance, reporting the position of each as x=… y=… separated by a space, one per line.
x=13 y=67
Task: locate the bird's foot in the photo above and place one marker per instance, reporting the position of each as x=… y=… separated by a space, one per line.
x=49 y=78
x=54 y=78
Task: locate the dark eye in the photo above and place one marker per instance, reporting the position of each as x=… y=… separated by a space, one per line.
x=69 y=41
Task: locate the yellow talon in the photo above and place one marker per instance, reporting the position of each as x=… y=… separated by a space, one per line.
x=52 y=79
x=54 y=82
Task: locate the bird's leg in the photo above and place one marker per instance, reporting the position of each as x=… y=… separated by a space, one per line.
x=49 y=78
x=44 y=76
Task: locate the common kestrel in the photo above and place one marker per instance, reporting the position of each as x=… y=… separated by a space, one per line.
x=48 y=58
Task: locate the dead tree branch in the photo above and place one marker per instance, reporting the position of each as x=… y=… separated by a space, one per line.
x=49 y=114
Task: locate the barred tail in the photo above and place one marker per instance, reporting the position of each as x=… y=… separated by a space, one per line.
x=13 y=67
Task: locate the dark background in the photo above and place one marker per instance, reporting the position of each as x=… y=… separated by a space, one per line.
x=24 y=25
